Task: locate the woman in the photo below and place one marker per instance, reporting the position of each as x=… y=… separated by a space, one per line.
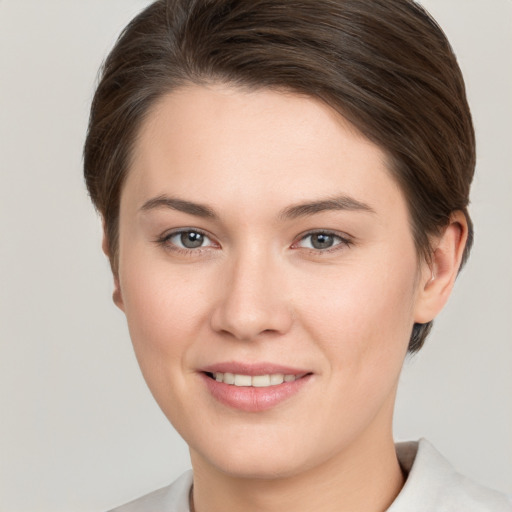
x=284 y=190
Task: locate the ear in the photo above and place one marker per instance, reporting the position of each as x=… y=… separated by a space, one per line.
x=117 y=296
x=438 y=277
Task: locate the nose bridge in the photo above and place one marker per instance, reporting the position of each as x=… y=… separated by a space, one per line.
x=251 y=301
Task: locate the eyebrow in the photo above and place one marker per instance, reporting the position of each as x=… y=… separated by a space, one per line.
x=346 y=203
x=199 y=210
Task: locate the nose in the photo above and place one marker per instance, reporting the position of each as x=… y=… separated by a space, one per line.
x=252 y=300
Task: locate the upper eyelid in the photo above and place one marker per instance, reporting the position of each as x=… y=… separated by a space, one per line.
x=164 y=240
x=173 y=232
x=345 y=241
x=339 y=234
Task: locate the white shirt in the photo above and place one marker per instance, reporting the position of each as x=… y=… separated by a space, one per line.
x=432 y=485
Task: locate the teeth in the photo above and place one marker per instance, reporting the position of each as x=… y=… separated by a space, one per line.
x=261 y=381
x=243 y=380
x=257 y=381
x=229 y=378
x=277 y=378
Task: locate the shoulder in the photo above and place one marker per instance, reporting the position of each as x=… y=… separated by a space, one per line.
x=173 y=498
x=433 y=485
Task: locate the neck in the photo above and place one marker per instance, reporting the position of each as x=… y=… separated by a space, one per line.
x=366 y=477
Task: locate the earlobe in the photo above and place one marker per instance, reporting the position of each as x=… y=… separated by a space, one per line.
x=117 y=296
x=438 y=277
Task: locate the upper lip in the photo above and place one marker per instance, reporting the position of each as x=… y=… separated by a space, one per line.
x=263 y=368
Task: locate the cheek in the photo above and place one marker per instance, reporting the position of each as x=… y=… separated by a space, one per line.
x=164 y=318
x=362 y=313
x=361 y=320
x=163 y=312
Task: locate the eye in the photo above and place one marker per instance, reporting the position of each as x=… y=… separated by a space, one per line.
x=187 y=239
x=322 y=241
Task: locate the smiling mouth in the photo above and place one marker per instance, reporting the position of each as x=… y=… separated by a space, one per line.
x=254 y=387
x=255 y=381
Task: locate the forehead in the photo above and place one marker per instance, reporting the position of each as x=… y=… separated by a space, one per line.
x=231 y=147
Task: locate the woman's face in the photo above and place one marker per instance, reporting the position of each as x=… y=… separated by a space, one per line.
x=263 y=242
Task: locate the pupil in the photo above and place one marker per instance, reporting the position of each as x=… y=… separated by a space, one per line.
x=191 y=239
x=321 y=241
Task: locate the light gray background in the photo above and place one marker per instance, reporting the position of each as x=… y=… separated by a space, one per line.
x=78 y=429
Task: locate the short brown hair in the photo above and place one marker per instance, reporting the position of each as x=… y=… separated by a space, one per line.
x=384 y=65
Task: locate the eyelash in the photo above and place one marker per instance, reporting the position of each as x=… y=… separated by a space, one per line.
x=343 y=241
x=165 y=241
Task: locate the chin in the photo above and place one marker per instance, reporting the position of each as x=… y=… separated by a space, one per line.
x=263 y=468
x=258 y=457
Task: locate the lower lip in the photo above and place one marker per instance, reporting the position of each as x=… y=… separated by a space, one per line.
x=251 y=399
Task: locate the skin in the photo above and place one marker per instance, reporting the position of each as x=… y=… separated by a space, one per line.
x=257 y=290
